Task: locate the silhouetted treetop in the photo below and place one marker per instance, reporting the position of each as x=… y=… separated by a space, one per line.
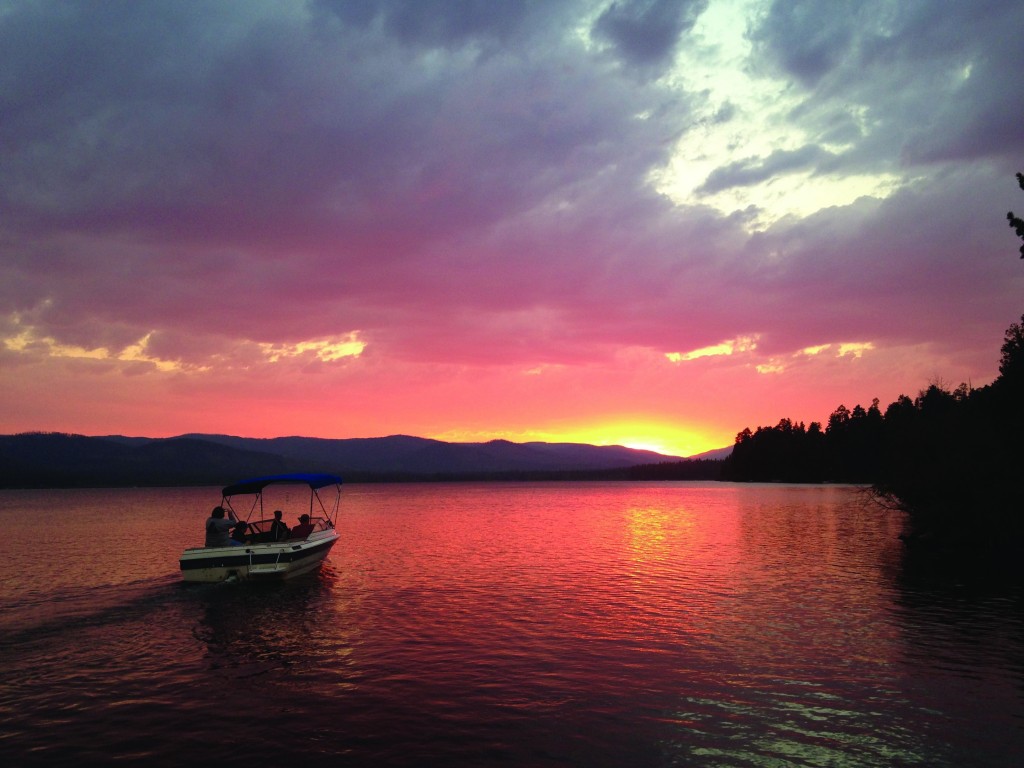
x=1011 y=363
x=1016 y=222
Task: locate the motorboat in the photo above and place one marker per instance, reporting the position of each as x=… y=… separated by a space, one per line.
x=260 y=554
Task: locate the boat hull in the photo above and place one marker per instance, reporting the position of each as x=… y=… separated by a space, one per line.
x=278 y=560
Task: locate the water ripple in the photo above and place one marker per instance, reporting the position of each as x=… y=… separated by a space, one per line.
x=559 y=624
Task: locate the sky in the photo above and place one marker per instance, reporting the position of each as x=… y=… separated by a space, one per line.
x=639 y=222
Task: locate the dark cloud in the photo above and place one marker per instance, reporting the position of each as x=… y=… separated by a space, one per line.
x=979 y=117
x=807 y=39
x=645 y=33
x=449 y=23
x=928 y=79
x=286 y=130
x=756 y=170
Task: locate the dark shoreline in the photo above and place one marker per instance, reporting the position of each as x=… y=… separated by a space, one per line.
x=655 y=472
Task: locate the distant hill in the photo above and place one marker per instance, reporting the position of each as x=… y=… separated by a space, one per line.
x=421 y=456
x=715 y=455
x=60 y=460
x=67 y=461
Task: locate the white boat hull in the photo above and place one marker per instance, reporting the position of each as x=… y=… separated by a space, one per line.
x=277 y=560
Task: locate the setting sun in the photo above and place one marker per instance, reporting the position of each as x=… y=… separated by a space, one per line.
x=667 y=439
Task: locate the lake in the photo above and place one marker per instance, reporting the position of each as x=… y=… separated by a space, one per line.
x=532 y=624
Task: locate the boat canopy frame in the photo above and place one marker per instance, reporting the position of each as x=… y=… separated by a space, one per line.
x=314 y=481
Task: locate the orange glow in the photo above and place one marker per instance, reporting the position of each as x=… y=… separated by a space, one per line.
x=675 y=410
x=665 y=438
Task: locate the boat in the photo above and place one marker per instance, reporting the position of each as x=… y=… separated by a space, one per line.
x=261 y=557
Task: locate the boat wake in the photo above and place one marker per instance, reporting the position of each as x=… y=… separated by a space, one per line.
x=40 y=614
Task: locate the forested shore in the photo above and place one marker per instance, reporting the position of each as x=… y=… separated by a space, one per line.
x=951 y=458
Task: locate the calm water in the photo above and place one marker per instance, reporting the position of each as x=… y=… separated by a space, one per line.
x=580 y=624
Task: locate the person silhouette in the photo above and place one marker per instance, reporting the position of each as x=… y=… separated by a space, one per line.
x=238 y=534
x=217 y=527
x=278 y=530
x=303 y=529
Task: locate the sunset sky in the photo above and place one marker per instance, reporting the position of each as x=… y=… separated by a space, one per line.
x=639 y=222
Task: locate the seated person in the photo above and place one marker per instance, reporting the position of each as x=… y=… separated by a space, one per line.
x=217 y=527
x=303 y=529
x=238 y=534
x=278 y=530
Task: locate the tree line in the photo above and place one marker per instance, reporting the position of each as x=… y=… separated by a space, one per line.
x=952 y=458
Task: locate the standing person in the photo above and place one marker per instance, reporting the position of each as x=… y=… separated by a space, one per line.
x=278 y=530
x=217 y=528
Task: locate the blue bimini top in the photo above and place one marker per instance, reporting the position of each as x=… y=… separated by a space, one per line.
x=257 y=484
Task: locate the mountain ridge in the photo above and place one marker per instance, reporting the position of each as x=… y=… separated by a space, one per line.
x=418 y=455
x=61 y=460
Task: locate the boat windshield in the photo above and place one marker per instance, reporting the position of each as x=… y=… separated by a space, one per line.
x=259 y=532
